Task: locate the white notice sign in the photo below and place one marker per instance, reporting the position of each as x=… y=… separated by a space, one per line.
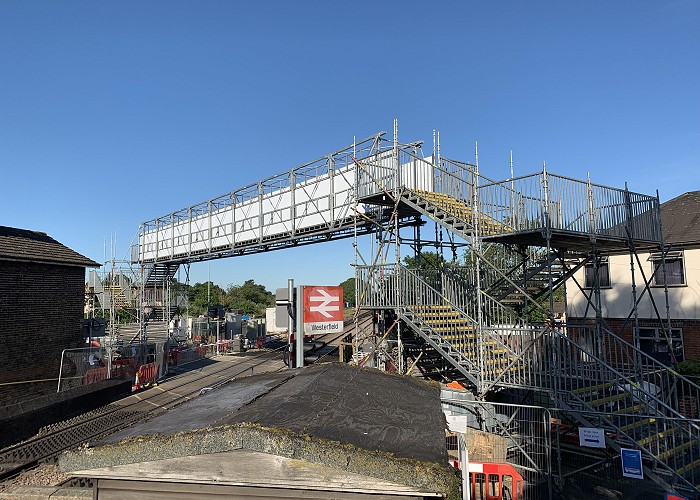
x=591 y=437
x=457 y=423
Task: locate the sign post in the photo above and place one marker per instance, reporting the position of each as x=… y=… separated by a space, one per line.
x=299 y=339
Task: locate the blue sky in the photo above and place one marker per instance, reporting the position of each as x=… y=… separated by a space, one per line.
x=113 y=113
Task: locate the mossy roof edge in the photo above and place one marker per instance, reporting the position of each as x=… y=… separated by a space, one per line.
x=428 y=476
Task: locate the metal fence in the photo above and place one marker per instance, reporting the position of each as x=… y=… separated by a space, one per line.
x=88 y=365
x=519 y=435
x=533 y=202
x=543 y=445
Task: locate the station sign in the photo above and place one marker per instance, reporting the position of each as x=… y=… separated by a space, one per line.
x=323 y=309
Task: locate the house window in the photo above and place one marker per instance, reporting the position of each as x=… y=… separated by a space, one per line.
x=663 y=348
x=603 y=274
x=675 y=269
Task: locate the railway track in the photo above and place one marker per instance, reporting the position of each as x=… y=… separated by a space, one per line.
x=50 y=441
x=54 y=439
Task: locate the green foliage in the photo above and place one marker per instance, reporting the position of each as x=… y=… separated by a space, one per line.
x=689 y=368
x=201 y=295
x=249 y=297
x=536 y=314
x=428 y=260
x=122 y=316
x=349 y=291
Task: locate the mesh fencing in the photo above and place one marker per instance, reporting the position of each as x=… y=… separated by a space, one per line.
x=543 y=446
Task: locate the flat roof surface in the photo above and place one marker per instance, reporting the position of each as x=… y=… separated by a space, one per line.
x=362 y=407
x=353 y=420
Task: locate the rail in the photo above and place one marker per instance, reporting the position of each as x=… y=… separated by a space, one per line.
x=104 y=421
x=379 y=175
x=545 y=201
x=540 y=201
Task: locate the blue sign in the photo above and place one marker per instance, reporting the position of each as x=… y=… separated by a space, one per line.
x=632 y=463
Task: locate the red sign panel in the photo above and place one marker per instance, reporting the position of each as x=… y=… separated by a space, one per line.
x=323 y=309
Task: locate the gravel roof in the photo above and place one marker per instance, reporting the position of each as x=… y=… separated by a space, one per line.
x=356 y=419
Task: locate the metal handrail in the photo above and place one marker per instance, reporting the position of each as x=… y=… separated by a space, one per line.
x=528 y=203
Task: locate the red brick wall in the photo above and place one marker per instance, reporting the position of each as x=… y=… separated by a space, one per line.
x=691 y=331
x=40 y=315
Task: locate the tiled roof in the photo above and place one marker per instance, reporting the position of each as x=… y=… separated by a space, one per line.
x=680 y=218
x=23 y=244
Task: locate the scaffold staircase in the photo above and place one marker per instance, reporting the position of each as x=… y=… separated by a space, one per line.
x=117 y=296
x=159 y=273
x=599 y=378
x=454 y=214
x=536 y=274
x=638 y=401
x=113 y=290
x=486 y=341
x=531 y=276
x=476 y=321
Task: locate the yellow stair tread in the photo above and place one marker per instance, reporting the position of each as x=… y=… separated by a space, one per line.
x=431 y=306
x=631 y=409
x=464 y=211
x=609 y=399
x=658 y=435
x=637 y=424
x=677 y=449
x=591 y=388
x=690 y=466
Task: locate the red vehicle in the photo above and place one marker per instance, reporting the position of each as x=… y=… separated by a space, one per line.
x=492 y=481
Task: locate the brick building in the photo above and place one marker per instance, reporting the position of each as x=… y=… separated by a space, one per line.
x=680 y=219
x=42 y=295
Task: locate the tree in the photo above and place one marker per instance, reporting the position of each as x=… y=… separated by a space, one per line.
x=249 y=297
x=428 y=267
x=428 y=260
x=349 y=291
x=201 y=295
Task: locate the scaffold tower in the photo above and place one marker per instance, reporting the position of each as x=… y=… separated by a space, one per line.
x=493 y=319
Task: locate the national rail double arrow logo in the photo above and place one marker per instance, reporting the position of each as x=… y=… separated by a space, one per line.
x=325 y=299
x=323 y=309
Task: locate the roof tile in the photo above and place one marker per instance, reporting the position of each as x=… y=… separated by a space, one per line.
x=23 y=244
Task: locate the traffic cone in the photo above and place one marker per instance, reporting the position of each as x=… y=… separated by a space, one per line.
x=137 y=382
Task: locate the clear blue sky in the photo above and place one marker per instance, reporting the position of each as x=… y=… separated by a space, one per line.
x=113 y=113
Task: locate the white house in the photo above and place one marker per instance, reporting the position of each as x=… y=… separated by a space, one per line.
x=680 y=218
